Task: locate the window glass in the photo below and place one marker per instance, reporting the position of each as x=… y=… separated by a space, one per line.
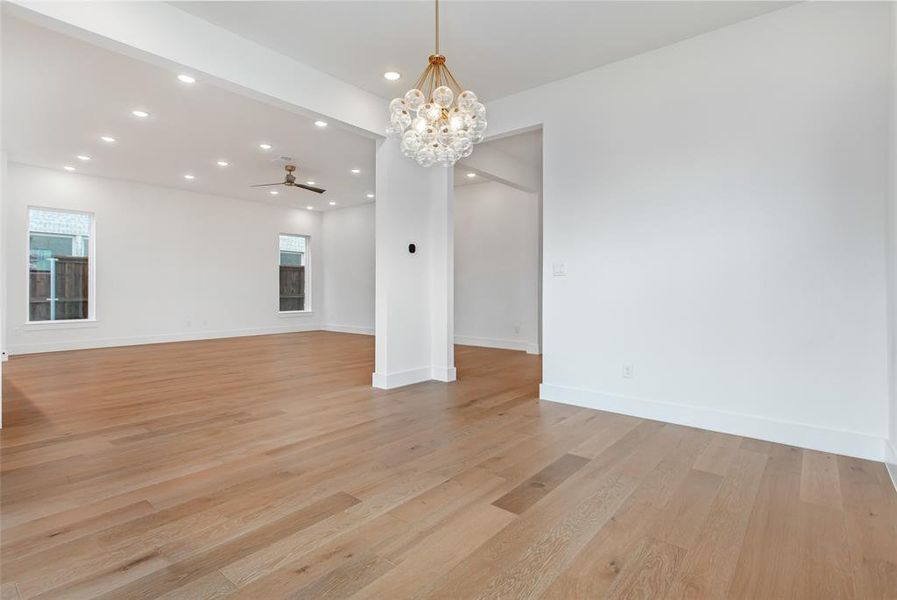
x=294 y=282
x=58 y=265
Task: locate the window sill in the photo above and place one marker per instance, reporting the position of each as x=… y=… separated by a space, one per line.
x=61 y=324
x=294 y=313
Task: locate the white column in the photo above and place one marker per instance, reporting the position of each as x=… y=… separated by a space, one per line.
x=414 y=293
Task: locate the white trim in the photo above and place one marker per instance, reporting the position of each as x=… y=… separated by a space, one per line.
x=891 y=461
x=849 y=443
x=31 y=348
x=481 y=342
x=348 y=329
x=388 y=381
x=60 y=324
x=286 y=314
x=446 y=374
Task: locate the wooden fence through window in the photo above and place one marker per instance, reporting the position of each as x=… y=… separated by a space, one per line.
x=71 y=291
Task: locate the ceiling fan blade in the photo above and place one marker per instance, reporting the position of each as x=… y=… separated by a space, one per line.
x=266 y=184
x=317 y=190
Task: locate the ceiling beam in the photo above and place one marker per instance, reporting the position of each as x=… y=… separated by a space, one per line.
x=160 y=33
x=504 y=168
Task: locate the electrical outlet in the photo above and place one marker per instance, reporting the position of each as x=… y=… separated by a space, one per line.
x=559 y=269
x=627 y=371
x=517 y=329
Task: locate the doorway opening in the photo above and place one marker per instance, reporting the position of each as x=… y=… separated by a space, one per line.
x=498 y=246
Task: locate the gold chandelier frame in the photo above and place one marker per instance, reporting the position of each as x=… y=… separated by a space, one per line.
x=437 y=73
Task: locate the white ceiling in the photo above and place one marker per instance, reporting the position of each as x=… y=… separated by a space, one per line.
x=495 y=48
x=61 y=94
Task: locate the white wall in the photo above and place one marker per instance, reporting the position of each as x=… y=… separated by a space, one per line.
x=170 y=265
x=892 y=253
x=497 y=267
x=3 y=353
x=719 y=206
x=348 y=238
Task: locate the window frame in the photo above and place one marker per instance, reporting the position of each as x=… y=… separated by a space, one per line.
x=91 y=271
x=308 y=277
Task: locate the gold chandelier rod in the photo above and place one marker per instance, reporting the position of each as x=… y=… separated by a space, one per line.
x=437 y=73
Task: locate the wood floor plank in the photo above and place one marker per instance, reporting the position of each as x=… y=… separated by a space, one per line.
x=650 y=574
x=541 y=484
x=766 y=566
x=267 y=467
x=819 y=479
x=706 y=571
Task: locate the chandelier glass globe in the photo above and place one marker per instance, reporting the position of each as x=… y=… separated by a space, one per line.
x=437 y=121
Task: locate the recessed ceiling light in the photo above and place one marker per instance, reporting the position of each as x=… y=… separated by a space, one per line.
x=83 y=157
x=332 y=203
x=189 y=177
x=356 y=171
x=265 y=146
x=223 y=163
x=321 y=123
x=471 y=175
x=309 y=183
x=370 y=195
x=309 y=207
x=140 y=113
x=186 y=79
x=68 y=168
x=107 y=138
x=273 y=192
x=392 y=76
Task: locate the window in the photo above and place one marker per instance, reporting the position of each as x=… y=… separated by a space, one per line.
x=294 y=281
x=59 y=265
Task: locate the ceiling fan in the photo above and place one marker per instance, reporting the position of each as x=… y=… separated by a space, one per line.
x=290 y=180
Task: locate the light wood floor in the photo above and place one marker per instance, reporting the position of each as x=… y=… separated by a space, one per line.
x=267 y=468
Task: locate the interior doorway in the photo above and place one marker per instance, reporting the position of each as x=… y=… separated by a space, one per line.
x=498 y=245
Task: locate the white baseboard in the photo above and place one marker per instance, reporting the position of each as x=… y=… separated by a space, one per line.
x=837 y=441
x=389 y=381
x=57 y=346
x=445 y=374
x=522 y=345
x=348 y=329
x=891 y=462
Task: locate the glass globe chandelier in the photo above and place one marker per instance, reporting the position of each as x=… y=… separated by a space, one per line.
x=437 y=121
